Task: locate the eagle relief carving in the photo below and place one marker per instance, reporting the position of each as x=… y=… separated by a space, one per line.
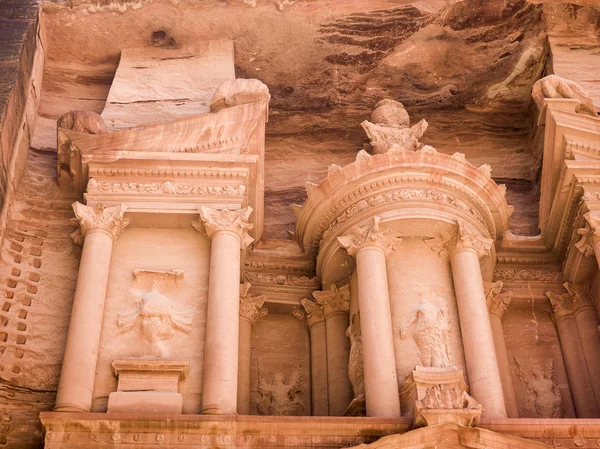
x=156 y=320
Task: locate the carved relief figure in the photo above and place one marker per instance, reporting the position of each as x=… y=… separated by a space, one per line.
x=448 y=397
x=158 y=321
x=553 y=86
x=356 y=368
x=390 y=127
x=278 y=397
x=541 y=388
x=431 y=334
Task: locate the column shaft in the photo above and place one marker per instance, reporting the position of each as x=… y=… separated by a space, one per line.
x=78 y=370
x=503 y=365
x=579 y=381
x=219 y=386
x=478 y=342
x=586 y=319
x=245 y=344
x=318 y=369
x=338 y=349
x=381 y=382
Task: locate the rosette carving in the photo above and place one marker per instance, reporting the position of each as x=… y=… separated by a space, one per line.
x=106 y=219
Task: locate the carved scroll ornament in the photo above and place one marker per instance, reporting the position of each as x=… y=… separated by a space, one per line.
x=216 y=220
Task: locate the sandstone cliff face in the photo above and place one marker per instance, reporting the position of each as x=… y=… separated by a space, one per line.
x=467 y=67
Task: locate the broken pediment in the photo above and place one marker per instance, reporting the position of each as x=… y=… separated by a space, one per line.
x=453 y=436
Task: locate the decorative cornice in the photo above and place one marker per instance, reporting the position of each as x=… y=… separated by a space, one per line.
x=251 y=307
x=334 y=300
x=497 y=301
x=104 y=171
x=106 y=219
x=463 y=237
x=163 y=188
x=216 y=220
x=369 y=235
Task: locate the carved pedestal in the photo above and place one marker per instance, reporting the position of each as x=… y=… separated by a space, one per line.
x=439 y=395
x=147 y=386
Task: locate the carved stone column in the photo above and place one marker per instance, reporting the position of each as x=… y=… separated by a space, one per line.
x=251 y=309
x=315 y=320
x=497 y=303
x=227 y=231
x=482 y=365
x=370 y=246
x=580 y=382
x=336 y=303
x=98 y=229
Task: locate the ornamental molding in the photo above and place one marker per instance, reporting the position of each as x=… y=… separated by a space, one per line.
x=163 y=188
x=99 y=218
x=217 y=220
x=469 y=191
x=104 y=171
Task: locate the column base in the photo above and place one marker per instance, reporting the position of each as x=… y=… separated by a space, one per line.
x=69 y=408
x=216 y=410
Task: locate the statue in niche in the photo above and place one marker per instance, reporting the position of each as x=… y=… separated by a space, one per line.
x=278 y=398
x=542 y=389
x=389 y=128
x=158 y=321
x=356 y=368
x=431 y=334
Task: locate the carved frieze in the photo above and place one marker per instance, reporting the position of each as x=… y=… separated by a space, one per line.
x=106 y=219
x=526 y=274
x=251 y=307
x=369 y=235
x=163 y=188
x=215 y=220
x=497 y=300
x=282 y=279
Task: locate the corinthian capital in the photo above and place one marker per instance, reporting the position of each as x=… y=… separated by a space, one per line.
x=251 y=307
x=99 y=218
x=464 y=237
x=594 y=223
x=215 y=220
x=314 y=312
x=497 y=301
x=334 y=300
x=369 y=235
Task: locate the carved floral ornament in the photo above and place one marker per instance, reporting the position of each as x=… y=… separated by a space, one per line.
x=497 y=300
x=251 y=307
x=99 y=218
x=464 y=237
x=565 y=303
x=334 y=300
x=216 y=220
x=369 y=235
x=404 y=178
